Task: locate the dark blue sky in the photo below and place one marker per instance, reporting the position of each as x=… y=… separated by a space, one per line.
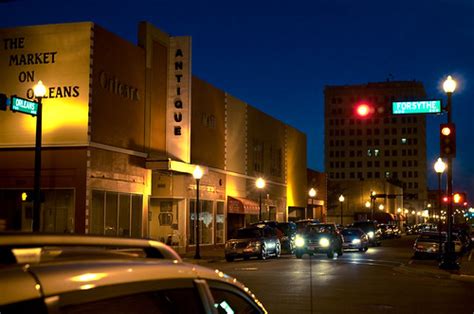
x=278 y=56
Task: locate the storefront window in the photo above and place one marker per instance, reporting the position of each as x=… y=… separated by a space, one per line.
x=206 y=222
x=116 y=214
x=111 y=203
x=220 y=221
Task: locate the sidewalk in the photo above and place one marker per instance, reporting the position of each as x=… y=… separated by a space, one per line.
x=465 y=273
x=209 y=254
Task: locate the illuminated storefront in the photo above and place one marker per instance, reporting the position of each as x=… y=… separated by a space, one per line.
x=124 y=126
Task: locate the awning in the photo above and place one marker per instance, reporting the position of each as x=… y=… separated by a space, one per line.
x=384 y=217
x=240 y=205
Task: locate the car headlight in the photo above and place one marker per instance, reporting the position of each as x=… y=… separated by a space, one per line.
x=356 y=241
x=299 y=241
x=370 y=234
x=324 y=242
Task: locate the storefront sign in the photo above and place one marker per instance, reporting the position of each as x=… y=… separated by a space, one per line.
x=178 y=111
x=58 y=55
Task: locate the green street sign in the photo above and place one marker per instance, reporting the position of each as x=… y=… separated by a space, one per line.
x=416 y=107
x=24 y=106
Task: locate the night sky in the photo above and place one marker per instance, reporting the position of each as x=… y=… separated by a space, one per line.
x=278 y=56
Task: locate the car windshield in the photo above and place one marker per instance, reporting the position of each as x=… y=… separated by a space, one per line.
x=430 y=237
x=312 y=229
x=248 y=233
x=351 y=232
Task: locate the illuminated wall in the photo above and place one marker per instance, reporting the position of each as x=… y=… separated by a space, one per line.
x=118 y=92
x=59 y=55
x=297 y=191
x=207 y=136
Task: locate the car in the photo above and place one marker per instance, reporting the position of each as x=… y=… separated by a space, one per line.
x=427 y=244
x=255 y=241
x=355 y=239
x=371 y=229
x=302 y=223
x=396 y=233
x=386 y=231
x=89 y=274
x=287 y=241
x=319 y=238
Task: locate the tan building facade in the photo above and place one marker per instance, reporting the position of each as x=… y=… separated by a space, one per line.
x=123 y=130
x=379 y=146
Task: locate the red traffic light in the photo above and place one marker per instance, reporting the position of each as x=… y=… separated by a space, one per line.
x=447 y=140
x=363 y=110
x=445 y=199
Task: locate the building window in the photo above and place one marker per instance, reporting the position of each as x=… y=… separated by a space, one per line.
x=394 y=163
x=376 y=152
x=404 y=141
x=276 y=162
x=377 y=142
x=369 y=142
x=394 y=131
x=359 y=175
x=369 y=164
x=351 y=132
x=394 y=153
x=351 y=153
x=369 y=175
x=377 y=163
x=377 y=131
x=352 y=175
x=352 y=164
x=377 y=175
x=386 y=141
x=387 y=163
x=387 y=153
x=359 y=164
x=369 y=153
x=116 y=214
x=208 y=120
x=369 y=131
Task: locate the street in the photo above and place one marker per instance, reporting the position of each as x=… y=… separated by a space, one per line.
x=371 y=282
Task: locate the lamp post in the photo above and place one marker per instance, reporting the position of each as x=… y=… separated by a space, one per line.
x=372 y=200
x=312 y=194
x=341 y=200
x=449 y=259
x=406 y=218
x=197 y=174
x=260 y=184
x=439 y=167
x=39 y=91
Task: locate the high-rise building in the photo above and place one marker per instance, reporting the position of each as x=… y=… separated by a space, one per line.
x=365 y=141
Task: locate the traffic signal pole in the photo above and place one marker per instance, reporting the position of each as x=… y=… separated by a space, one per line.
x=449 y=257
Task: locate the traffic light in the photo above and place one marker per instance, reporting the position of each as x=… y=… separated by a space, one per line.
x=447 y=140
x=459 y=198
x=3 y=102
x=363 y=110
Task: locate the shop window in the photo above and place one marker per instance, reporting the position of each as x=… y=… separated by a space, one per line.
x=116 y=214
x=220 y=222
x=206 y=222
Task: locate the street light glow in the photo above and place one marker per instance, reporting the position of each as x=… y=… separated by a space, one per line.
x=367 y=204
x=312 y=192
x=39 y=90
x=449 y=85
x=341 y=198
x=260 y=183
x=197 y=173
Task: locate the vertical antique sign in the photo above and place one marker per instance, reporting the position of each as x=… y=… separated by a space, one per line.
x=178 y=109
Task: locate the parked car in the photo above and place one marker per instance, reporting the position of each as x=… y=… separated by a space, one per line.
x=355 y=239
x=319 y=238
x=254 y=241
x=87 y=274
x=427 y=244
x=396 y=233
x=287 y=241
x=371 y=229
x=385 y=231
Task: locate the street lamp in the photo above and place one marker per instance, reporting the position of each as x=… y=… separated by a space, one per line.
x=449 y=259
x=39 y=91
x=260 y=184
x=406 y=217
x=439 y=167
x=197 y=174
x=381 y=207
x=312 y=195
x=341 y=200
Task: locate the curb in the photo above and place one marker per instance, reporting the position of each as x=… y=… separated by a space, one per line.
x=439 y=274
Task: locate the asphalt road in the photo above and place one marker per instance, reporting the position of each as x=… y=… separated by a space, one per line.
x=371 y=282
